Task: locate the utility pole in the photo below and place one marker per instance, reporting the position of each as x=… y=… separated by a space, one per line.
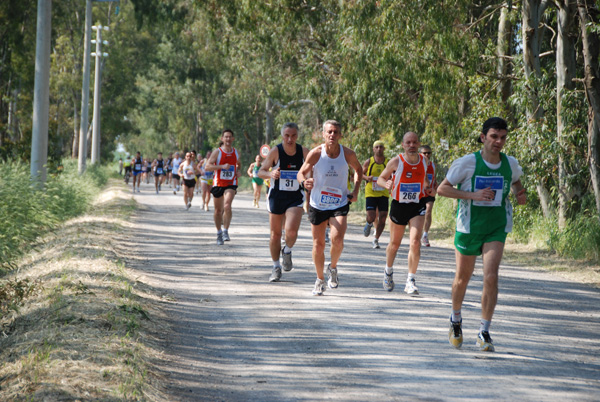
x=85 y=89
x=41 y=93
x=97 y=83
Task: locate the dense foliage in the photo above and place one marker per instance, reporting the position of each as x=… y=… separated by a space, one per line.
x=180 y=71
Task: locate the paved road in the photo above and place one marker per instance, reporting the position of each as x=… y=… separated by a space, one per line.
x=238 y=337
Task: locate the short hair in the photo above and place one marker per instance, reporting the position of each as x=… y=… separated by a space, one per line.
x=289 y=125
x=227 y=130
x=333 y=123
x=427 y=147
x=493 y=122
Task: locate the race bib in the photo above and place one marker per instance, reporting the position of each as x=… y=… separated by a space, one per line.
x=189 y=173
x=430 y=178
x=138 y=166
x=330 y=198
x=159 y=170
x=227 y=174
x=288 y=180
x=496 y=184
x=409 y=192
x=375 y=186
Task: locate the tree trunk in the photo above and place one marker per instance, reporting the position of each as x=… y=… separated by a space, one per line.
x=532 y=14
x=565 y=72
x=269 y=123
x=75 y=149
x=588 y=14
x=504 y=51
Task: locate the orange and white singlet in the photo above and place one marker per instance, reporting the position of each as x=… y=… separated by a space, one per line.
x=224 y=178
x=431 y=174
x=409 y=181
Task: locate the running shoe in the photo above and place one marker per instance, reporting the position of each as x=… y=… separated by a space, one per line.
x=226 y=235
x=174 y=191
x=367 y=229
x=220 y=239
x=484 y=342
x=206 y=207
x=411 y=287
x=388 y=281
x=286 y=261
x=376 y=243
x=425 y=241
x=138 y=189
x=159 y=187
x=275 y=275
x=319 y=287
x=455 y=334
x=188 y=206
x=332 y=282
x=156 y=191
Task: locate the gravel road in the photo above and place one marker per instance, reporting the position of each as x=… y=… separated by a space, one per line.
x=238 y=337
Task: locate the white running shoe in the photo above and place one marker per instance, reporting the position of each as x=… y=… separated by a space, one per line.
x=388 y=281
x=333 y=281
x=425 y=241
x=275 y=274
x=226 y=235
x=367 y=229
x=411 y=287
x=220 y=239
x=376 y=243
x=189 y=205
x=319 y=287
x=286 y=261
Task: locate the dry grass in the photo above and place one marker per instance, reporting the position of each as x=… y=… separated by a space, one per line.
x=91 y=331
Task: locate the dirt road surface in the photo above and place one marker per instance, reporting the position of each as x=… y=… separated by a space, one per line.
x=238 y=337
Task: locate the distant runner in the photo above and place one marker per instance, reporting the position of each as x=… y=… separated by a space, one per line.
x=377 y=198
x=225 y=162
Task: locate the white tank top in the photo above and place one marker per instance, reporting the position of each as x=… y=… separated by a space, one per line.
x=175 y=165
x=330 y=189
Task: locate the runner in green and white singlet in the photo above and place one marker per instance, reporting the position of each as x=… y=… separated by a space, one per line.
x=483 y=182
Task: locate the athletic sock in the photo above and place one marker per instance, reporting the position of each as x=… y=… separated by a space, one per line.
x=389 y=270
x=219 y=232
x=456 y=316
x=485 y=325
x=276 y=263
x=424 y=234
x=411 y=276
x=286 y=249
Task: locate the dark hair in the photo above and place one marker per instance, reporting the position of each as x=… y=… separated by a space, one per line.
x=227 y=130
x=493 y=122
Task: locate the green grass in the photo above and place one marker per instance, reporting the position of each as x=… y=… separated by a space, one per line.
x=27 y=212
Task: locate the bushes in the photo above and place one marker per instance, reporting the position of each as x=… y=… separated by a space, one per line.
x=26 y=212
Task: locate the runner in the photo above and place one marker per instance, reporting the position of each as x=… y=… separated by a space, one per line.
x=187 y=170
x=409 y=187
x=137 y=163
x=425 y=150
x=285 y=198
x=127 y=166
x=225 y=162
x=484 y=180
x=158 y=167
x=377 y=198
x=175 y=172
x=257 y=182
x=169 y=175
x=206 y=182
x=325 y=174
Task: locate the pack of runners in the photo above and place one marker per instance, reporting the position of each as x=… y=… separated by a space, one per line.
x=328 y=179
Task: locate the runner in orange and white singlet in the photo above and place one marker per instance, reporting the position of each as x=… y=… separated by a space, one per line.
x=408 y=188
x=225 y=162
x=425 y=150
